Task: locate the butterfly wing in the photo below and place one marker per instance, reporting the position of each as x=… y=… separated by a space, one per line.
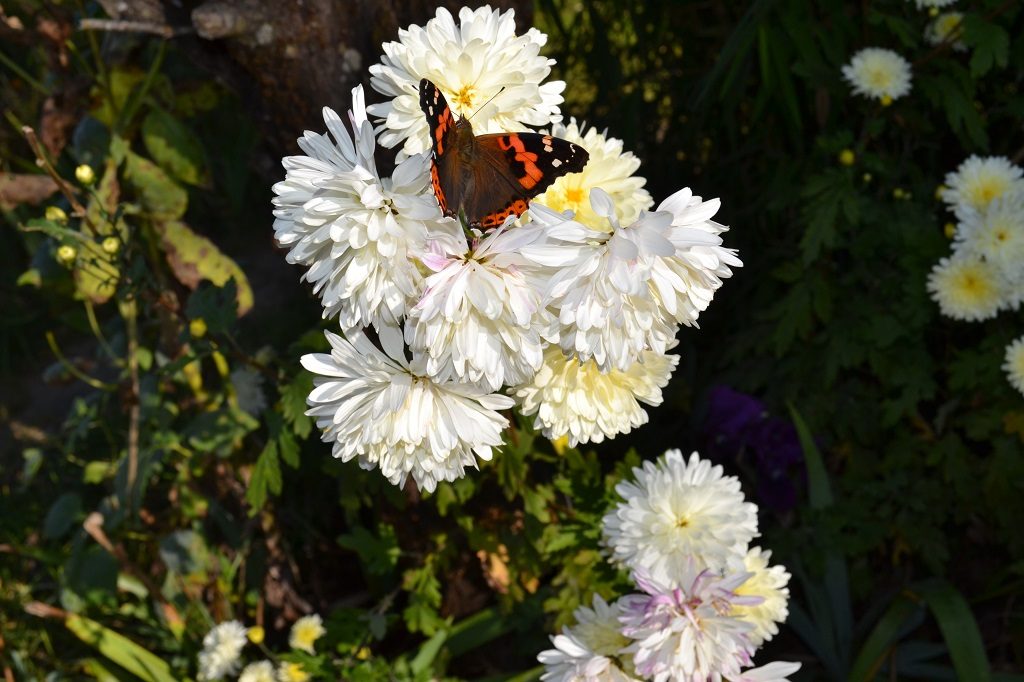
x=444 y=161
x=509 y=169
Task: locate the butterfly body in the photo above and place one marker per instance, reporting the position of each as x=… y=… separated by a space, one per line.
x=490 y=177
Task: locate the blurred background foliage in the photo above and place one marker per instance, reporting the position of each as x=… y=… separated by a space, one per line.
x=158 y=474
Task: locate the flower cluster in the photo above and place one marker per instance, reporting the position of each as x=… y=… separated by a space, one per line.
x=221 y=656
x=984 y=274
x=568 y=311
x=706 y=600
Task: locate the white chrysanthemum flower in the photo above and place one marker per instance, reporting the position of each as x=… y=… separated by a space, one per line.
x=676 y=512
x=353 y=229
x=263 y=671
x=609 y=168
x=292 y=672
x=922 y=4
x=620 y=294
x=305 y=631
x=1014 y=364
x=387 y=412
x=769 y=583
x=942 y=29
x=481 y=318
x=966 y=288
x=222 y=650
x=684 y=630
x=591 y=650
x=879 y=74
x=979 y=180
x=471 y=62
x=995 y=233
x=575 y=399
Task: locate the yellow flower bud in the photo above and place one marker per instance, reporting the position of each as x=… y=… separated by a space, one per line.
x=56 y=214
x=886 y=100
x=197 y=328
x=847 y=157
x=363 y=653
x=939 y=191
x=256 y=634
x=866 y=178
x=897 y=193
x=110 y=245
x=933 y=11
x=66 y=254
x=85 y=175
x=949 y=229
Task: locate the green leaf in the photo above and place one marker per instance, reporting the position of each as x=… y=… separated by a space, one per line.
x=173 y=146
x=119 y=649
x=378 y=554
x=161 y=197
x=185 y=552
x=990 y=43
x=288 y=448
x=879 y=643
x=428 y=652
x=194 y=258
x=217 y=306
x=819 y=489
x=266 y=475
x=121 y=82
x=293 y=403
x=64 y=513
x=959 y=629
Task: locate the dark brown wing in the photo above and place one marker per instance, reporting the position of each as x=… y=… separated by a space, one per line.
x=444 y=160
x=509 y=169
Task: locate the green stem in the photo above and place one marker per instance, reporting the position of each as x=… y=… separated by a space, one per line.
x=23 y=74
x=79 y=374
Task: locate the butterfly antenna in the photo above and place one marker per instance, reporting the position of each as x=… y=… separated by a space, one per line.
x=501 y=90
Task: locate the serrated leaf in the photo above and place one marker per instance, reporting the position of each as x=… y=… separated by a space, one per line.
x=173 y=146
x=194 y=258
x=288 y=448
x=378 y=554
x=266 y=476
x=293 y=403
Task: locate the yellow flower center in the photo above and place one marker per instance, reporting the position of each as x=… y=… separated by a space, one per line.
x=682 y=522
x=574 y=197
x=986 y=189
x=464 y=98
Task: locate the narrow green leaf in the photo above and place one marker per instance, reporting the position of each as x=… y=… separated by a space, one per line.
x=473 y=632
x=817 y=477
x=879 y=643
x=959 y=629
x=119 y=649
x=173 y=146
x=428 y=652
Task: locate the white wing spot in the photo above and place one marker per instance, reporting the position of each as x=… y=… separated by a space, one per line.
x=548 y=148
x=556 y=163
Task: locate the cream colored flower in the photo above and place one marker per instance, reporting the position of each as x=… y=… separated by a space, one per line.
x=305 y=631
x=879 y=74
x=591 y=650
x=262 y=671
x=1014 y=364
x=609 y=167
x=575 y=399
x=980 y=180
x=222 y=651
x=966 y=288
x=769 y=583
x=943 y=27
x=480 y=65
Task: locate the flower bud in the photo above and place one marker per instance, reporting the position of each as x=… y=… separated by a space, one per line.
x=847 y=157
x=255 y=633
x=85 y=175
x=66 y=254
x=56 y=214
x=197 y=328
x=110 y=245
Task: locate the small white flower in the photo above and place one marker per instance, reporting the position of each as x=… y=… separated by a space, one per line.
x=263 y=671
x=353 y=229
x=471 y=62
x=222 y=649
x=921 y=4
x=575 y=399
x=305 y=631
x=677 y=512
x=979 y=180
x=591 y=650
x=995 y=233
x=684 y=630
x=879 y=74
x=481 y=318
x=609 y=168
x=769 y=583
x=1014 y=364
x=966 y=288
x=387 y=412
x=943 y=27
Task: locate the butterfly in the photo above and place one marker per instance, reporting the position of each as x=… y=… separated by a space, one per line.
x=490 y=177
